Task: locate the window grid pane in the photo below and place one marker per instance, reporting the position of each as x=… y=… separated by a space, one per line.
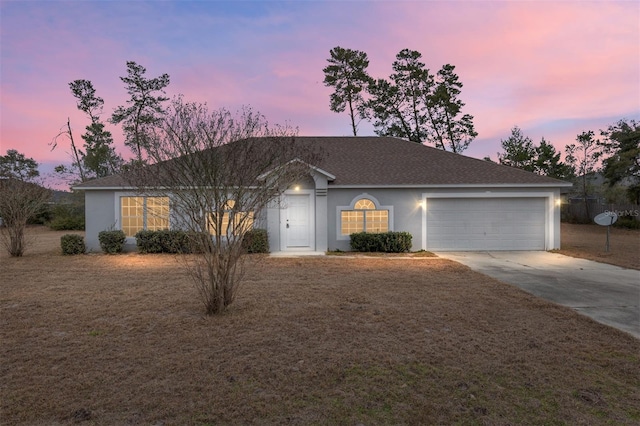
x=364 y=204
x=352 y=221
x=135 y=217
x=364 y=218
x=377 y=221
x=231 y=220
x=132 y=215
x=157 y=213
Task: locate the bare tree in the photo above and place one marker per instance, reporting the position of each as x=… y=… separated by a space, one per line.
x=584 y=156
x=77 y=155
x=19 y=202
x=219 y=170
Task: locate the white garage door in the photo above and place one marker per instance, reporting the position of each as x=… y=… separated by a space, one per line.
x=470 y=224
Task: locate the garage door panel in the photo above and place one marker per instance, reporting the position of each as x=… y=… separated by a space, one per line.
x=486 y=224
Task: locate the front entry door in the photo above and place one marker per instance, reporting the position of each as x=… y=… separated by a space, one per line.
x=297 y=220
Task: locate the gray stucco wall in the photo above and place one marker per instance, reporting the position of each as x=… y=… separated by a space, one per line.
x=404 y=215
x=405 y=212
x=99 y=210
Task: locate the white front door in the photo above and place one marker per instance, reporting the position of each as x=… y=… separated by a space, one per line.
x=297 y=222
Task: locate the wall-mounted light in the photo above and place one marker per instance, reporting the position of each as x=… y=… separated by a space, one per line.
x=296 y=188
x=558 y=202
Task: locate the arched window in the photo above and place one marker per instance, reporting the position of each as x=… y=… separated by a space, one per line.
x=364 y=218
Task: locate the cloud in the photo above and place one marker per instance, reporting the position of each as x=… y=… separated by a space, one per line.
x=553 y=68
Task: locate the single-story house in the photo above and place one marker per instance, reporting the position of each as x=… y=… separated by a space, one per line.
x=446 y=201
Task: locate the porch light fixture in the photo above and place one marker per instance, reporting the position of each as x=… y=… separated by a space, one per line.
x=296 y=188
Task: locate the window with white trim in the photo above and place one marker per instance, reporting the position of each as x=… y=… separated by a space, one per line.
x=143 y=213
x=364 y=217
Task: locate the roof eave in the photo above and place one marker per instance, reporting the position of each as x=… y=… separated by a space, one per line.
x=461 y=185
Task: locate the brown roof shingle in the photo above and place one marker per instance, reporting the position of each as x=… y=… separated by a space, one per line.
x=387 y=161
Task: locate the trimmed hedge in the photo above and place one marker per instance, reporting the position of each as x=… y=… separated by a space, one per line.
x=112 y=242
x=256 y=241
x=163 y=241
x=72 y=244
x=387 y=242
x=175 y=241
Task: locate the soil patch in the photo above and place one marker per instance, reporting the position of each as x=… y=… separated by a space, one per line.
x=589 y=242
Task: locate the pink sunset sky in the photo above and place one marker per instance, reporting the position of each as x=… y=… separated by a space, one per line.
x=554 y=68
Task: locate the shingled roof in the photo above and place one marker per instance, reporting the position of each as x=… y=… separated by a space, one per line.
x=392 y=162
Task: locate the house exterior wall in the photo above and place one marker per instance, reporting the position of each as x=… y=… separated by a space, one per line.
x=407 y=212
x=99 y=207
x=316 y=185
x=405 y=205
x=404 y=214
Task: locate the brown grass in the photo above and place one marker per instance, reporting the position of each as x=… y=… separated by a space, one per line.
x=589 y=241
x=108 y=340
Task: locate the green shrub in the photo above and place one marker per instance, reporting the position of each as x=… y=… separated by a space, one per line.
x=163 y=241
x=256 y=241
x=67 y=223
x=387 y=242
x=112 y=242
x=72 y=244
x=41 y=217
x=628 y=222
x=180 y=242
x=148 y=242
x=67 y=217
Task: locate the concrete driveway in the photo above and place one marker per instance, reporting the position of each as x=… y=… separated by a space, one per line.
x=606 y=293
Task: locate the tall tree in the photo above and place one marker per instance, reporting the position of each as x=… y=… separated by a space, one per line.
x=547 y=162
x=622 y=146
x=519 y=151
x=543 y=159
x=228 y=167
x=347 y=73
x=16 y=165
x=143 y=111
x=418 y=106
x=447 y=130
x=584 y=156
x=397 y=105
x=100 y=158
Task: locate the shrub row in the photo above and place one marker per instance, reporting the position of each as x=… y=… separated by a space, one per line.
x=175 y=241
x=387 y=242
x=164 y=241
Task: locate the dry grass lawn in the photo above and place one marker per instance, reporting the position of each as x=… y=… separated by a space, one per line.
x=121 y=340
x=589 y=241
